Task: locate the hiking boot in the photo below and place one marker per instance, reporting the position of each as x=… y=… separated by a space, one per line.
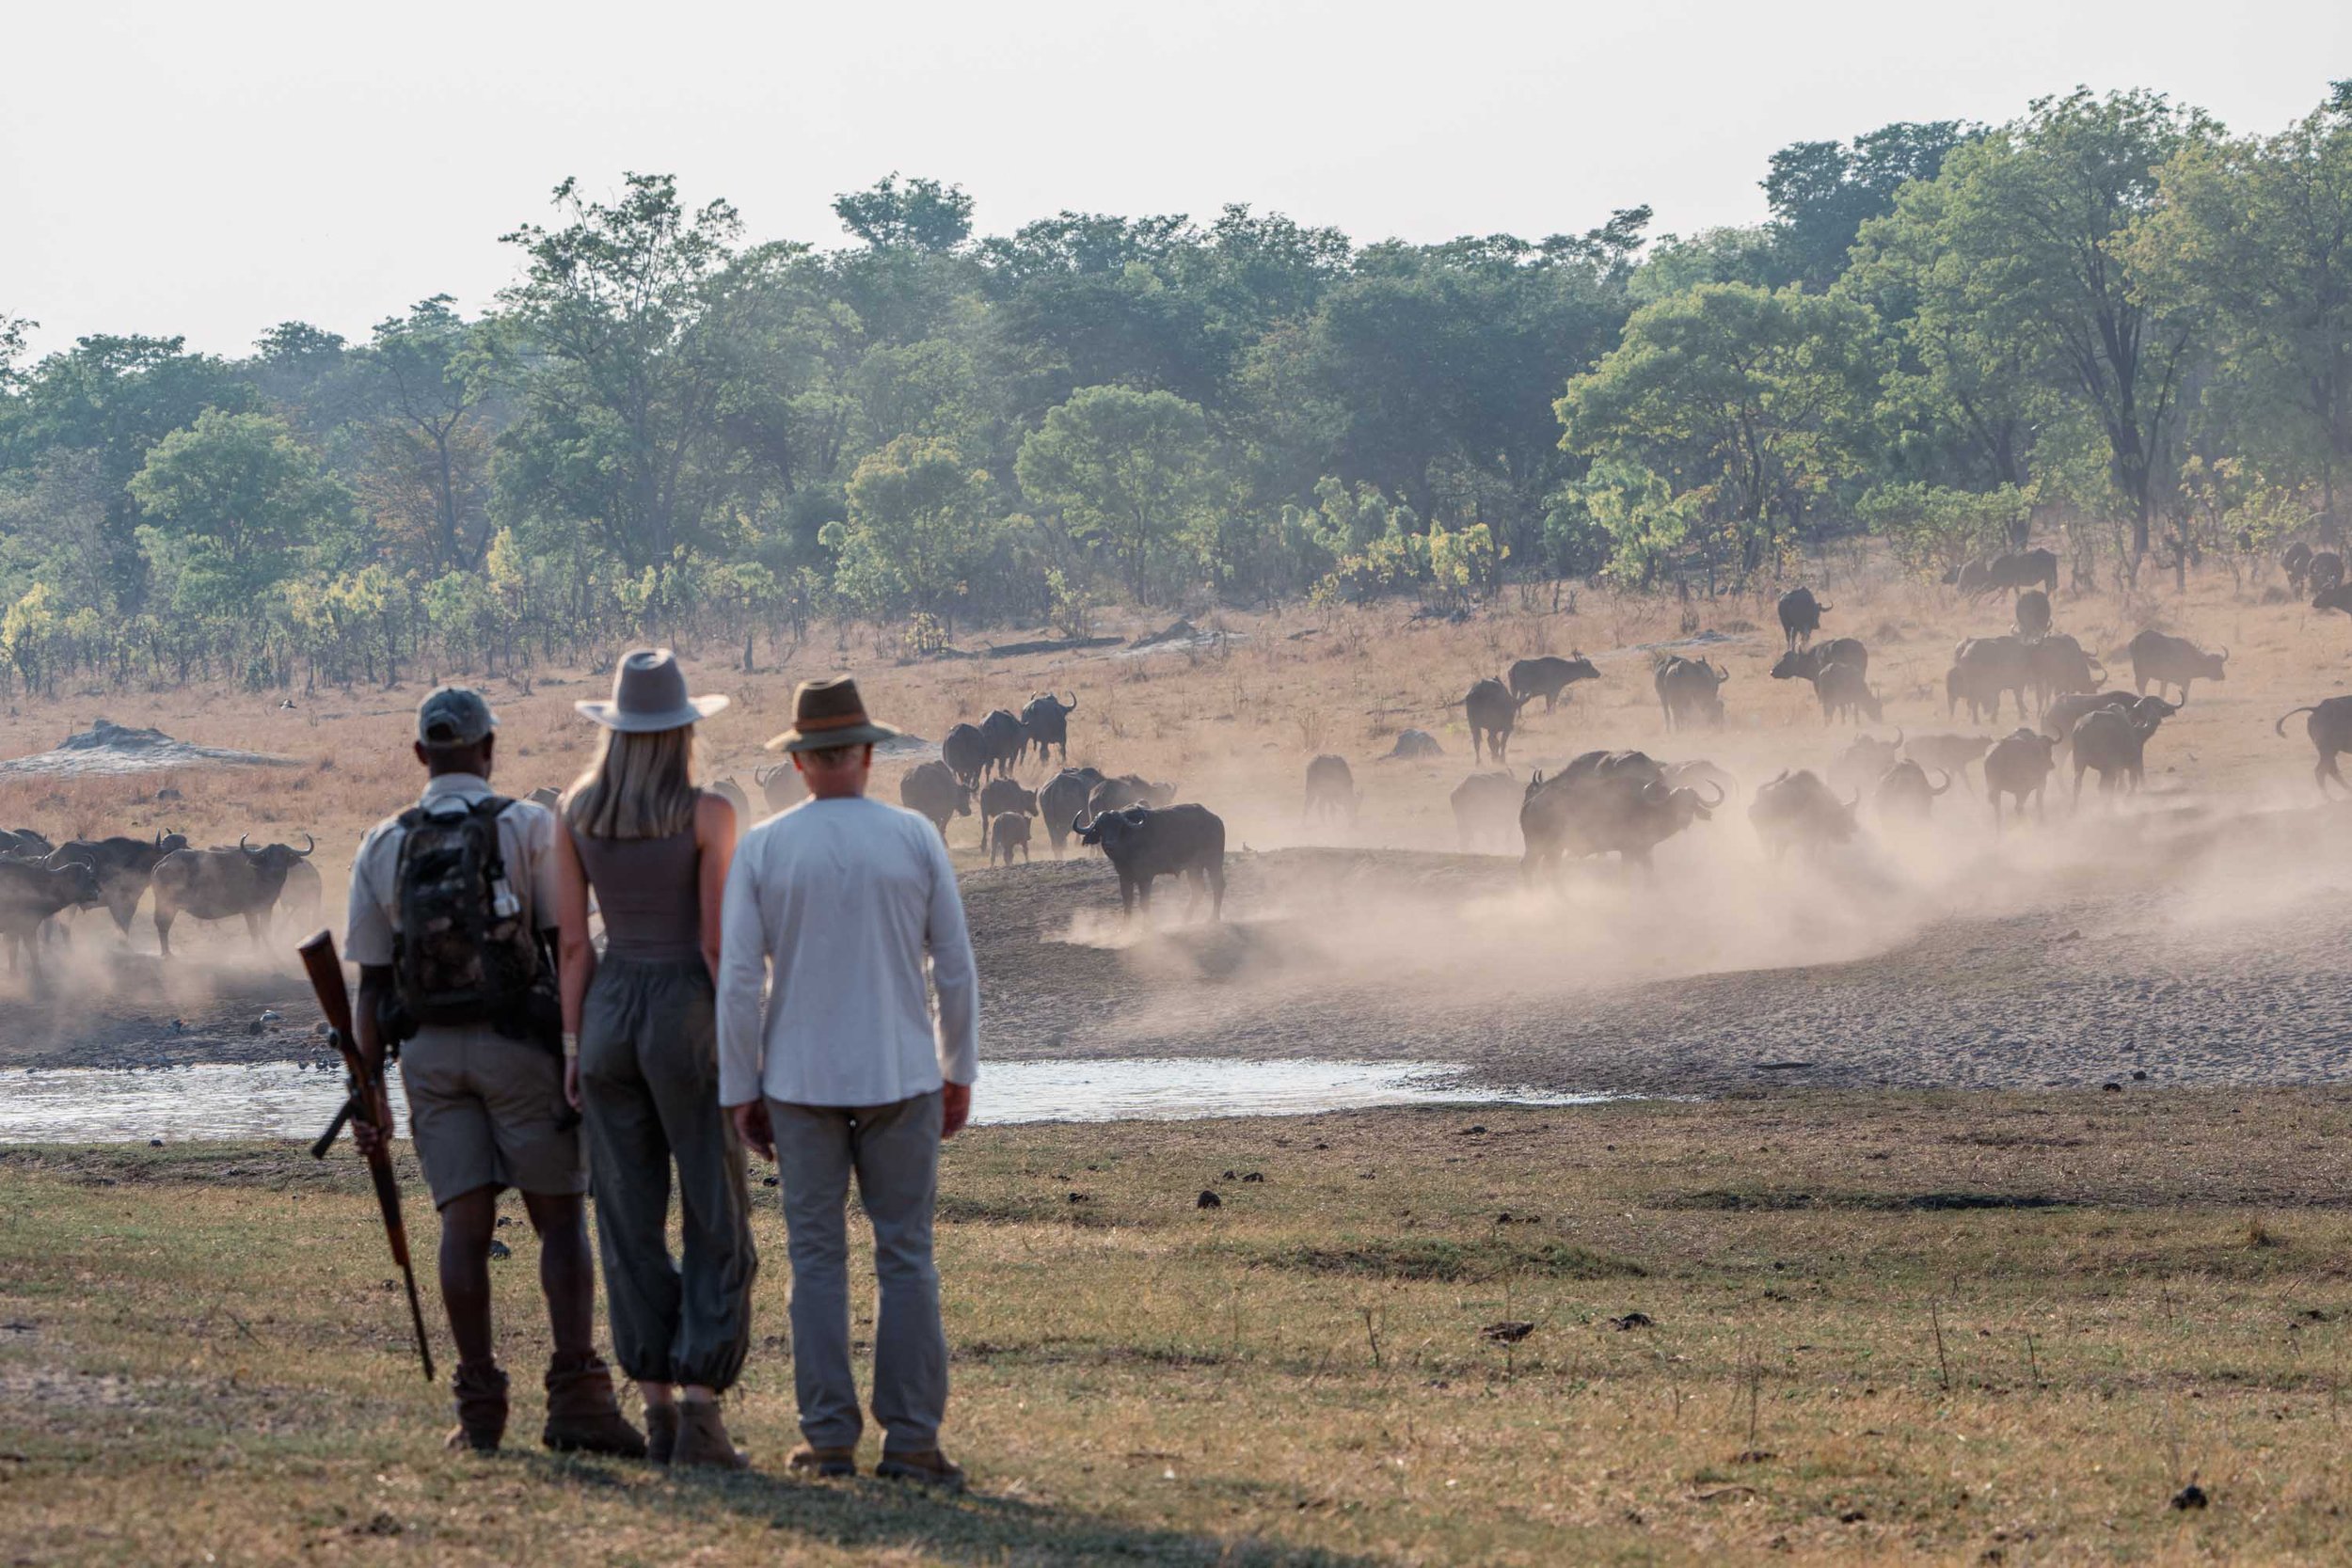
x=480 y=1387
x=702 y=1438
x=924 y=1467
x=660 y=1431
x=582 y=1415
x=832 y=1463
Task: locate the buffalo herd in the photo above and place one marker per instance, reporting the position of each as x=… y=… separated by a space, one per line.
x=40 y=882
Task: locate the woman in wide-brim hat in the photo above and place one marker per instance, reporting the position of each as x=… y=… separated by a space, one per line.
x=640 y=1030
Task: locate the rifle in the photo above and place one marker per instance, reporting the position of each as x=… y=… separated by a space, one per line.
x=366 y=1101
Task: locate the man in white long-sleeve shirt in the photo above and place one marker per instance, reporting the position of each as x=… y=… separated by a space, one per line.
x=834 y=906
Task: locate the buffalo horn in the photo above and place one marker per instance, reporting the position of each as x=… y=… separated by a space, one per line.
x=1078 y=823
x=1898 y=737
x=1948 y=783
x=241 y=838
x=2225 y=656
x=1720 y=793
x=1720 y=673
x=1071 y=705
x=311 y=845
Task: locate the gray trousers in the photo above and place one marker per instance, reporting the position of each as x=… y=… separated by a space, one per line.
x=894 y=1151
x=649 y=1096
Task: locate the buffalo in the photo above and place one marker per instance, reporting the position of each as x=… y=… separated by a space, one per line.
x=1865 y=761
x=1007 y=831
x=1331 y=790
x=1798 y=811
x=302 y=896
x=32 y=894
x=1063 y=796
x=123 y=866
x=1045 y=722
x=1127 y=789
x=214 y=884
x=2336 y=597
x=2297 y=561
x=2019 y=765
x=779 y=785
x=1983 y=668
x=2325 y=574
x=2331 y=729
x=1486 y=808
x=1802 y=664
x=932 y=790
x=2021 y=569
x=1951 y=753
x=2174 y=661
x=2060 y=666
x=2062 y=715
x=1683 y=775
x=23 y=842
x=1549 y=676
x=1844 y=692
x=1627 y=810
x=1690 y=690
x=2112 y=742
x=1903 y=793
x=1007 y=739
x=1800 y=616
x=1143 y=844
x=2032 y=620
x=966 y=753
x=1492 y=711
x=1003 y=795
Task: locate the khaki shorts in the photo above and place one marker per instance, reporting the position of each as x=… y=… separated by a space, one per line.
x=482 y=1110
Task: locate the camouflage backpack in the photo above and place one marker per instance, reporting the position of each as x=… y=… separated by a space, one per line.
x=465 y=952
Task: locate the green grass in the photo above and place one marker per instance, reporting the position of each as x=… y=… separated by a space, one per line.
x=198 y=1354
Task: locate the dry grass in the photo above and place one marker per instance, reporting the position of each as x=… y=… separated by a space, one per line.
x=1934 y=1328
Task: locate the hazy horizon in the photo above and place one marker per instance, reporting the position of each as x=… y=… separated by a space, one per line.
x=211 y=174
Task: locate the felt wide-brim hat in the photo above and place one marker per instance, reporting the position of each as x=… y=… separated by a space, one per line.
x=648 y=695
x=829 y=713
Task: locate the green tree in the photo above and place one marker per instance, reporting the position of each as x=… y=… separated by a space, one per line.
x=241 y=500
x=1131 y=472
x=921 y=215
x=423 y=379
x=1822 y=192
x=918 y=521
x=1750 y=399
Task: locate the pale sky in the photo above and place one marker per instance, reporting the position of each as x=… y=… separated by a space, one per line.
x=211 y=170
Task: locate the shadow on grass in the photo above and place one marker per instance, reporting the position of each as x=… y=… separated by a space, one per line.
x=973 y=1528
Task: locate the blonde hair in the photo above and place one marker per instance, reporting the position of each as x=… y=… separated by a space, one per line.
x=639 y=785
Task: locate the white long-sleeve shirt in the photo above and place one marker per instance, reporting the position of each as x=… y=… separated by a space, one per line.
x=835 y=904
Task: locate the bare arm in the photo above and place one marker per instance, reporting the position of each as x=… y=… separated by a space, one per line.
x=714 y=836
x=576 y=955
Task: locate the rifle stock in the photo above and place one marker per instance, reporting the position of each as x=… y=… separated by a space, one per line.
x=368 y=1102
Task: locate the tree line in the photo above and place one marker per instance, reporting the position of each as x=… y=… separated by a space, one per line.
x=2108 y=322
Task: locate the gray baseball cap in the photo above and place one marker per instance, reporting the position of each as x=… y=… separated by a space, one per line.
x=454 y=716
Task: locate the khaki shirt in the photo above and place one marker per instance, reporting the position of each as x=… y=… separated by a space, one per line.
x=526 y=839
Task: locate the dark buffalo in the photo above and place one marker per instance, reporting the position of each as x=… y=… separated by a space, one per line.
x=1492 y=712
x=1127 y=789
x=932 y=790
x=1971 y=578
x=1802 y=664
x=1063 y=797
x=1007 y=831
x=123 y=866
x=966 y=753
x=1006 y=740
x=1689 y=775
x=2325 y=573
x=1486 y=808
x=1798 y=811
x=1844 y=692
x=1045 y=722
x=2338 y=598
x=2112 y=742
x=2331 y=729
x=1903 y=793
x=2022 y=569
x=1547 y=677
x=2019 y=765
x=1800 y=616
x=780 y=786
x=1144 y=843
x=216 y=884
x=302 y=897
x=1983 y=668
x=2297 y=561
x=32 y=894
x=23 y=842
x=1865 y=761
x=1951 y=753
x=2060 y=665
x=1331 y=790
x=1690 y=690
x=2174 y=661
x=1003 y=795
x=2032 y=620
x=1628 y=812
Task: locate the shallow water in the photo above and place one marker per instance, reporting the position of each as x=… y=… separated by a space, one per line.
x=280 y=1099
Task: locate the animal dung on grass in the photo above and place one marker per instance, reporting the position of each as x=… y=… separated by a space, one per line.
x=1208 y=1200
x=1506 y=1333
x=1631 y=1320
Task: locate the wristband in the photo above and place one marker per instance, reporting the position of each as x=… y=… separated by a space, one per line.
x=571 y=1045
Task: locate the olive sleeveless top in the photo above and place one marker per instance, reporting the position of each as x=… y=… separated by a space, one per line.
x=649 y=891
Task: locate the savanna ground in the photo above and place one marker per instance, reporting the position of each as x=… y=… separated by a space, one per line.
x=2015 y=1321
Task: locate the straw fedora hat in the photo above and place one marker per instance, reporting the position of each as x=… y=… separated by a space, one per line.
x=829 y=713
x=649 y=694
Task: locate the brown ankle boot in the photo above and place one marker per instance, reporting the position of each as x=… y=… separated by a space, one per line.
x=702 y=1438
x=481 y=1390
x=660 y=1432
x=582 y=1415
x=924 y=1467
